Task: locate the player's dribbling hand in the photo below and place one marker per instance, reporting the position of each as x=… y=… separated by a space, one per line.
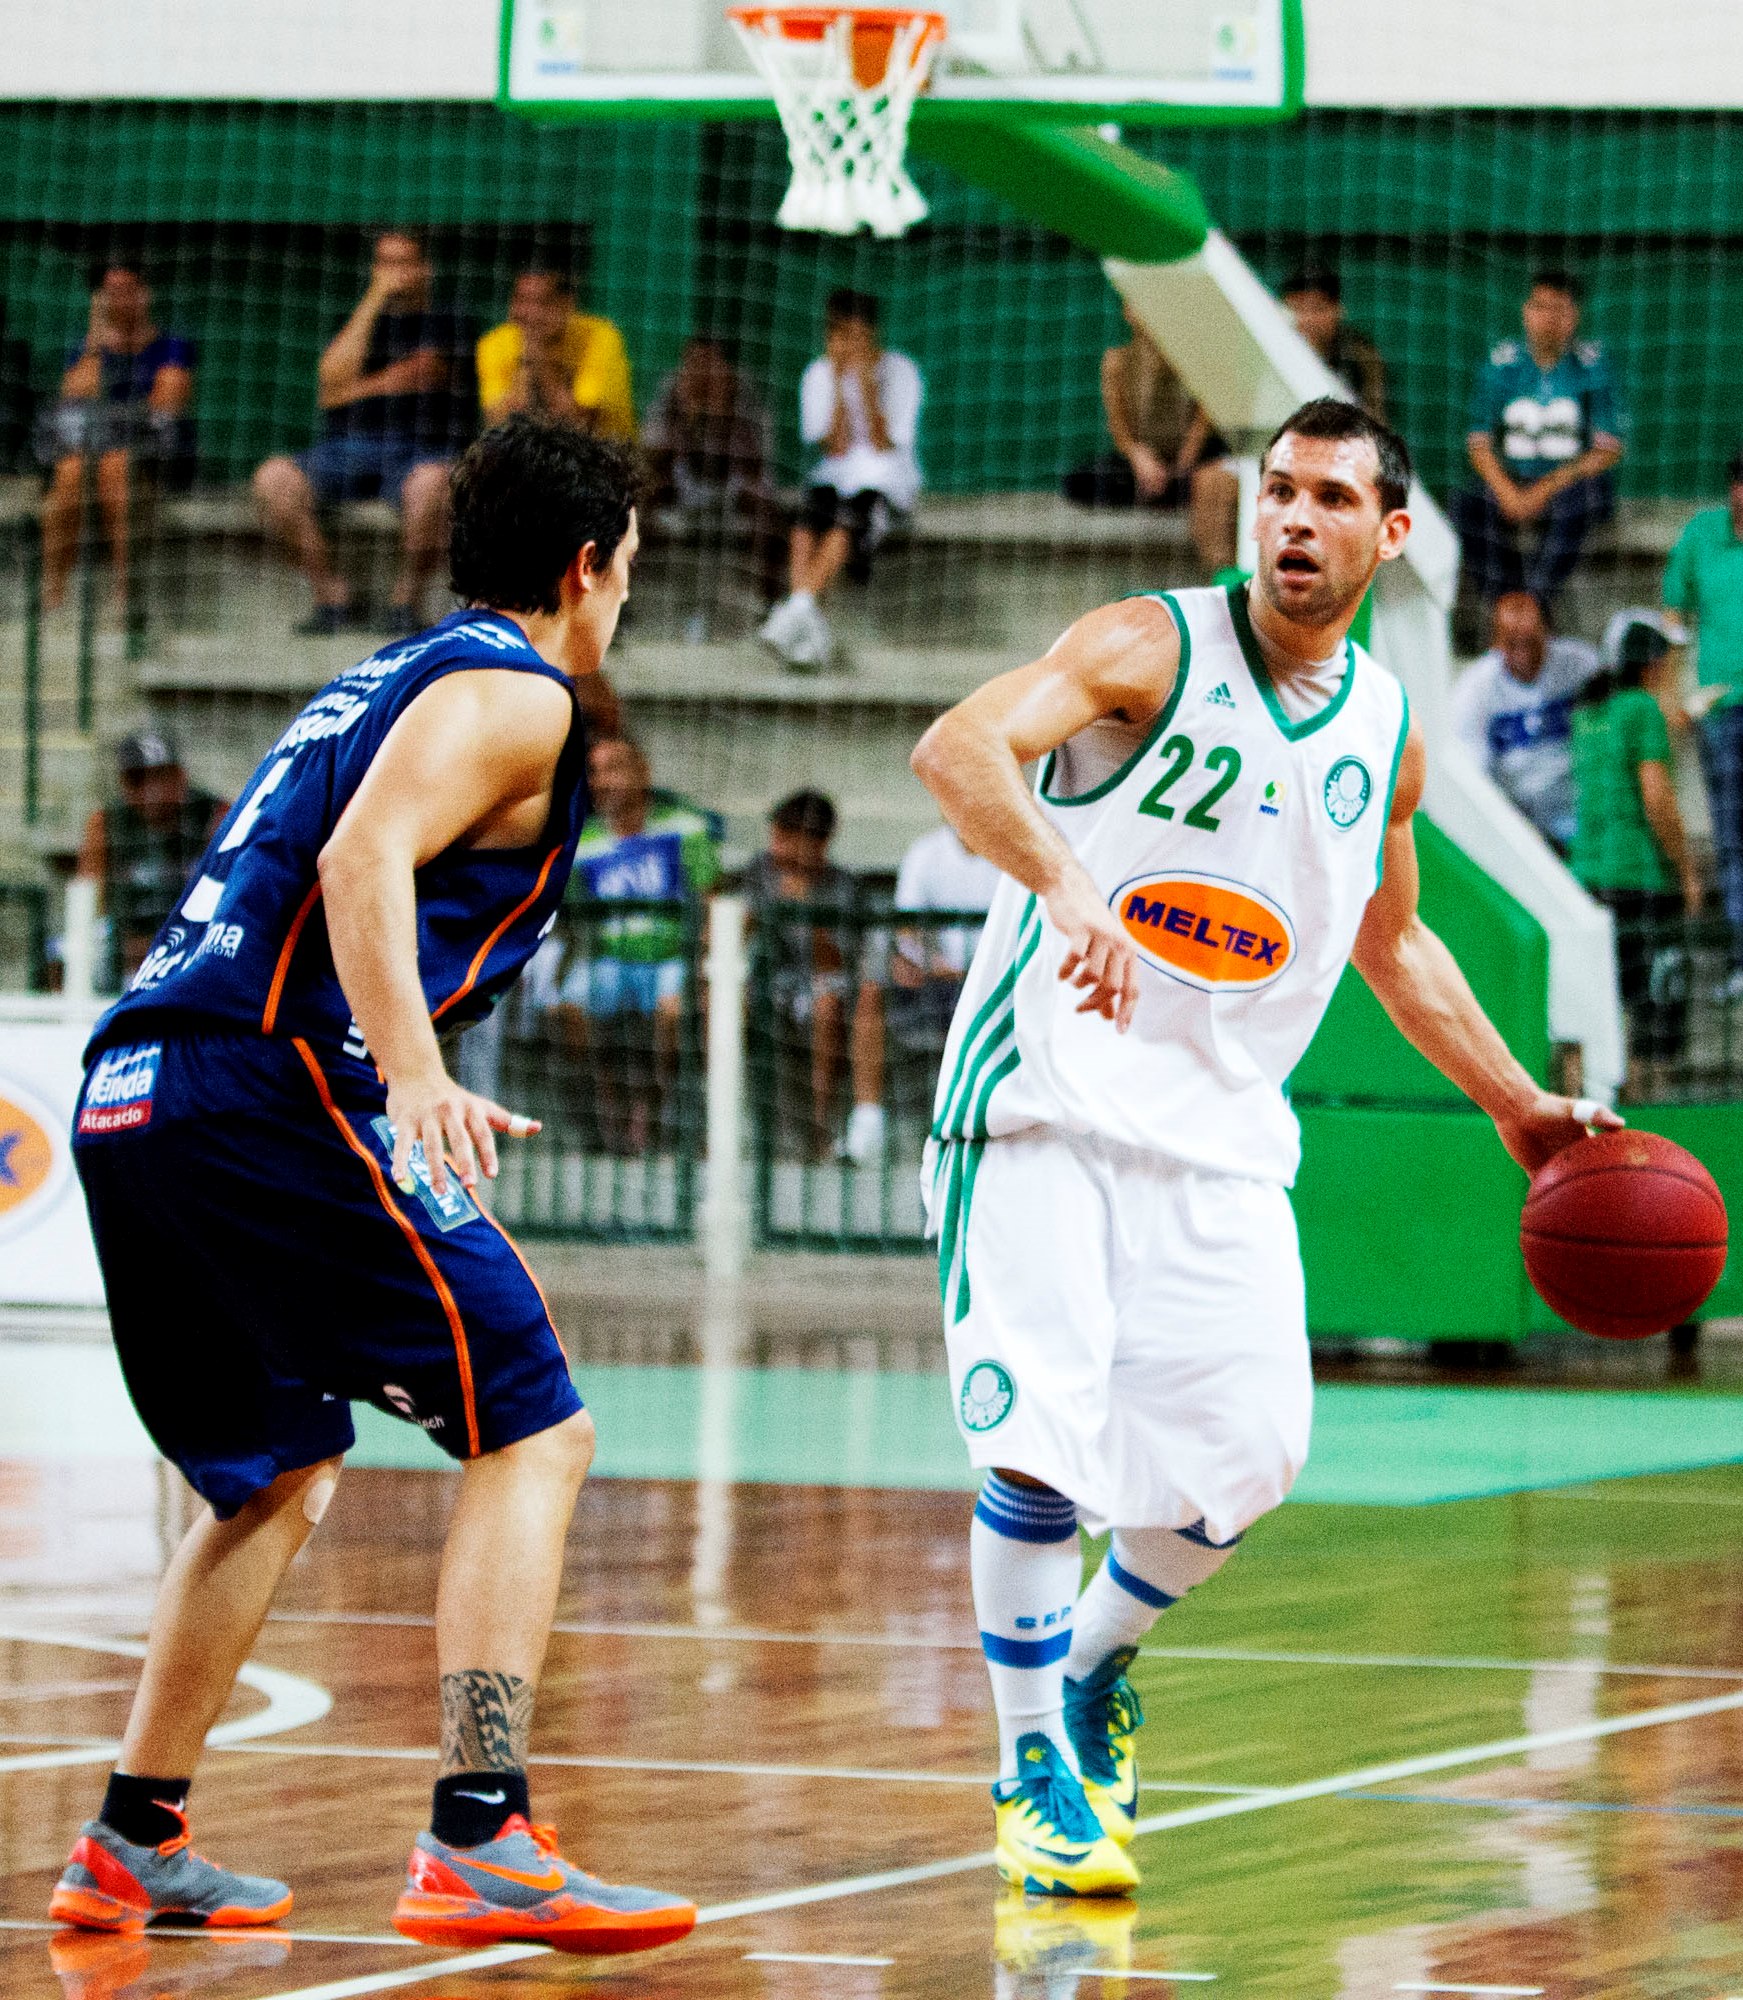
x=1551 y=1125
x=1099 y=959
x=450 y=1124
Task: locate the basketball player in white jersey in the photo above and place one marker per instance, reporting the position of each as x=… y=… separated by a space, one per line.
x=1222 y=822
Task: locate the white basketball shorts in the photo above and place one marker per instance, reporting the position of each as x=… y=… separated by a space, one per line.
x=1127 y=1329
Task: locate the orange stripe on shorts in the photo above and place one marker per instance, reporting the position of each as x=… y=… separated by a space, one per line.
x=419 y=1249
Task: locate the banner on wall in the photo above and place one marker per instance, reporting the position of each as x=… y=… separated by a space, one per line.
x=46 y=1254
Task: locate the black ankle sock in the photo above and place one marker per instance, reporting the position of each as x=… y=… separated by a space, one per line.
x=469 y=1807
x=135 y=1808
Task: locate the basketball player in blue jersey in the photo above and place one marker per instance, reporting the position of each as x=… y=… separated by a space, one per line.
x=1221 y=824
x=280 y=1174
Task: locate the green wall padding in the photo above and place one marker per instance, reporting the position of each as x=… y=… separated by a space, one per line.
x=1359 y=1056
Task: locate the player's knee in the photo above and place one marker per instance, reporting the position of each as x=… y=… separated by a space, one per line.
x=300 y=1497
x=566 y=1449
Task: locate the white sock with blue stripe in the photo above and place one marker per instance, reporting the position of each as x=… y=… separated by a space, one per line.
x=1145 y=1571
x=1024 y=1560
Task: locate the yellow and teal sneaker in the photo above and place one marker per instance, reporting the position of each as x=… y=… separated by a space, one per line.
x=1043 y=1937
x=1050 y=1842
x=1102 y=1714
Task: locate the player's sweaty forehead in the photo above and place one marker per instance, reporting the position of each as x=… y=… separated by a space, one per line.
x=1323 y=467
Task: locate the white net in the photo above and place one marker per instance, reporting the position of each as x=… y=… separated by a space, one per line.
x=845 y=112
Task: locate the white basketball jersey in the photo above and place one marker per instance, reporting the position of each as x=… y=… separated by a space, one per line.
x=1239 y=850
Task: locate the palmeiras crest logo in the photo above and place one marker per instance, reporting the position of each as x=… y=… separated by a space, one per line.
x=988 y=1397
x=1347 y=790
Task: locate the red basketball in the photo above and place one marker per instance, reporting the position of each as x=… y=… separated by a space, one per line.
x=1624 y=1234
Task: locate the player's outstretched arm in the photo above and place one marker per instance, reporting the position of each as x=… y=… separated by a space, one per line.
x=471 y=756
x=1118 y=661
x=1418 y=982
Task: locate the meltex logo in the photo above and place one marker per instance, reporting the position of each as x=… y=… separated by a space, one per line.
x=1206 y=932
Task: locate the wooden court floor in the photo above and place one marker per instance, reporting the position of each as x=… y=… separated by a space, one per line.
x=1494 y=1747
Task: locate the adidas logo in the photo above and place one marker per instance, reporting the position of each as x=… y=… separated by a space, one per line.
x=1219 y=696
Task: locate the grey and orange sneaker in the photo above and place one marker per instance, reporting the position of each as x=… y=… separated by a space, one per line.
x=111 y=1885
x=518 y=1887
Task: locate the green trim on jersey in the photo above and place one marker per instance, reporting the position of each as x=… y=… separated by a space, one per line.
x=989 y=1049
x=1156 y=728
x=1255 y=659
x=960 y=1163
x=1391 y=788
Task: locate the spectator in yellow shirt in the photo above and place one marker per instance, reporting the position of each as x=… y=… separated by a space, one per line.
x=555 y=362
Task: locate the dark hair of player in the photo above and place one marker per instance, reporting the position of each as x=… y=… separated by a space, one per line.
x=844 y=305
x=1331 y=418
x=1553 y=280
x=1734 y=467
x=805 y=812
x=528 y=496
x=1318 y=278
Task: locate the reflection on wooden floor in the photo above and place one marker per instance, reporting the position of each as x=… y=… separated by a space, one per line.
x=1493 y=1747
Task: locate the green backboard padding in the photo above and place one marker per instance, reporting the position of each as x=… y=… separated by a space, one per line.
x=1104 y=197
x=1409 y=1225
x=1359 y=1055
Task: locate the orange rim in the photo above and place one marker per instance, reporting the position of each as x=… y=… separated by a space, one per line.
x=874 y=32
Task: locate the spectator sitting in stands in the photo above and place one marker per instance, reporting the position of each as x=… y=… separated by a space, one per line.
x=141 y=849
x=124 y=402
x=550 y=359
x=1314 y=299
x=1165 y=452
x=1513 y=711
x=860 y=402
x=1630 y=850
x=396 y=397
x=927 y=967
x=814 y=966
x=1546 y=428
x=637 y=846
x=710 y=449
x=1703 y=585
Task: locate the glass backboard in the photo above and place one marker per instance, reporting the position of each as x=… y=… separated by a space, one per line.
x=1141 y=61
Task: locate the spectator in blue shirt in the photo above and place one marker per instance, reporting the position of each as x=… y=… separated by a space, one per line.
x=124 y=402
x=1546 y=427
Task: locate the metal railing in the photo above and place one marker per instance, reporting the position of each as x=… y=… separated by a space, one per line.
x=846 y=1012
x=602 y=1042
x=24 y=936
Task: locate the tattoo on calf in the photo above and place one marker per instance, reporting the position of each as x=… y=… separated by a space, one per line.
x=486 y=1721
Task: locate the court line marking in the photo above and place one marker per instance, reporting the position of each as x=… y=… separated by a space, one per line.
x=809 y=1958
x=698 y=1767
x=751 y=1635
x=1528 y=1991
x=1552 y=1805
x=965 y=1864
x=292 y=1701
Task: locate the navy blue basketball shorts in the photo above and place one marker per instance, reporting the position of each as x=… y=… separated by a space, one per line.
x=263 y=1271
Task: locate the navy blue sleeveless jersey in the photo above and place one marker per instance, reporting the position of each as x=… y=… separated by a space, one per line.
x=246 y=947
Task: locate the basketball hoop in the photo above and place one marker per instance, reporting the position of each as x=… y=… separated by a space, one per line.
x=844 y=80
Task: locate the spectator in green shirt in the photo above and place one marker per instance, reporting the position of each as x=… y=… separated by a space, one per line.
x=1703 y=584
x=639 y=846
x=1630 y=850
x=1546 y=427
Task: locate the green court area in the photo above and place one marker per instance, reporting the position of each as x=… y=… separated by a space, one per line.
x=1372 y=1446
